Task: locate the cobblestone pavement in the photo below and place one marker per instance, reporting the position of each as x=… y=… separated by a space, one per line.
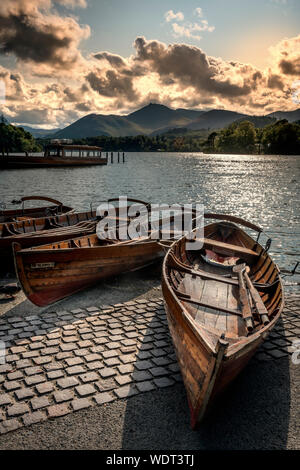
x=61 y=362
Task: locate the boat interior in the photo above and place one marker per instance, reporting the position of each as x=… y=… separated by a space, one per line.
x=39 y=225
x=204 y=280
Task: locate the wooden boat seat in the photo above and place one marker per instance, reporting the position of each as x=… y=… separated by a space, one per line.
x=228 y=250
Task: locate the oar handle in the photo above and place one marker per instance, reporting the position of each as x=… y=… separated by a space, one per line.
x=246 y=310
x=260 y=306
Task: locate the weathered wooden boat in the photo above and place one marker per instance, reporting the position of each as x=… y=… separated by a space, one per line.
x=39 y=231
x=56 y=154
x=14 y=215
x=53 y=271
x=217 y=320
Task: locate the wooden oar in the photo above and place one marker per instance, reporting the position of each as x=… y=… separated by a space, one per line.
x=259 y=305
x=246 y=309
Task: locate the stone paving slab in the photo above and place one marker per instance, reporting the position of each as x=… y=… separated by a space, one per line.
x=61 y=362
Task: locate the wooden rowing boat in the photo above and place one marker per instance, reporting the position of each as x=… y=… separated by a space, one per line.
x=217 y=321
x=14 y=215
x=45 y=230
x=33 y=232
x=53 y=271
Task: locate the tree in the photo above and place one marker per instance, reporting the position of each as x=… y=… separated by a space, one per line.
x=237 y=138
x=16 y=139
x=282 y=138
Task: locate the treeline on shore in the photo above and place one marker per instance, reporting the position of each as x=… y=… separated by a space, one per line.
x=282 y=137
x=16 y=139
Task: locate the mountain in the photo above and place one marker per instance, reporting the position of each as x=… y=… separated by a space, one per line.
x=259 y=121
x=99 y=124
x=216 y=119
x=190 y=113
x=40 y=133
x=156 y=116
x=291 y=116
x=155 y=119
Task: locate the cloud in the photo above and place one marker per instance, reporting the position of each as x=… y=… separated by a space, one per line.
x=112 y=84
x=73 y=3
x=279 y=2
x=189 y=66
x=32 y=116
x=188 y=29
x=177 y=75
x=198 y=12
x=286 y=56
x=32 y=32
x=170 y=16
x=184 y=31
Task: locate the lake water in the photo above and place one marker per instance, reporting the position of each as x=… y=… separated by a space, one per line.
x=261 y=188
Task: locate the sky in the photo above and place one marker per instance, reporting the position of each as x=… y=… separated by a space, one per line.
x=63 y=59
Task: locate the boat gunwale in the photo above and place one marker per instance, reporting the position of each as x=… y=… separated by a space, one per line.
x=242 y=344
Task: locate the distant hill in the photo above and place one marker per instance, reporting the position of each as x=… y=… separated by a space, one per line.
x=259 y=121
x=39 y=132
x=98 y=124
x=216 y=119
x=291 y=116
x=156 y=119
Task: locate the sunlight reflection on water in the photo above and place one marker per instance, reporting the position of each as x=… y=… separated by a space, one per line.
x=262 y=188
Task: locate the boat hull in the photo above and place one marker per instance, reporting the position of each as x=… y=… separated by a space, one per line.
x=48 y=276
x=210 y=360
x=44 y=162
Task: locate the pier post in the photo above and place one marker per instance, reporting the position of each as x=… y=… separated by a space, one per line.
x=112 y=157
x=123 y=157
x=118 y=157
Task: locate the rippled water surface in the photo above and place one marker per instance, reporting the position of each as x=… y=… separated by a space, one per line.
x=263 y=189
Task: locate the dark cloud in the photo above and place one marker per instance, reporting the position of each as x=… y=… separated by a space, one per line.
x=39 y=36
x=114 y=60
x=274 y=81
x=112 y=84
x=32 y=116
x=189 y=66
x=290 y=67
x=83 y=107
x=19 y=35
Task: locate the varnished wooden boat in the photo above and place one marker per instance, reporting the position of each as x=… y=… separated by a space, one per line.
x=53 y=271
x=14 y=215
x=208 y=308
x=33 y=232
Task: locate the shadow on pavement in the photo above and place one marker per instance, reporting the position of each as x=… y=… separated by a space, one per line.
x=252 y=414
